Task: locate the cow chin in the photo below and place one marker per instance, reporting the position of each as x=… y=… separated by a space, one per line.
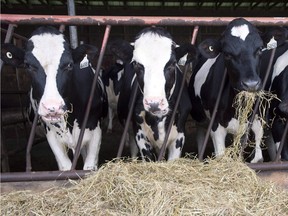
x=159 y=113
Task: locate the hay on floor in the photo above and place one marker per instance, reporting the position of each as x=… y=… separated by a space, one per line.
x=182 y=187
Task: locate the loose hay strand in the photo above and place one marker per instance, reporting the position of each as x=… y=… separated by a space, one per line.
x=182 y=187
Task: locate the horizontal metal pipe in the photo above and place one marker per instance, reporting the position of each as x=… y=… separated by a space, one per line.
x=43 y=175
x=135 y=20
x=273 y=166
x=76 y=174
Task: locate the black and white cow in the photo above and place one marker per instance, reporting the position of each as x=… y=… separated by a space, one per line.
x=61 y=84
x=152 y=63
x=278 y=84
x=238 y=50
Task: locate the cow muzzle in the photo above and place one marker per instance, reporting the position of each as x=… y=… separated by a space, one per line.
x=52 y=112
x=156 y=106
x=251 y=85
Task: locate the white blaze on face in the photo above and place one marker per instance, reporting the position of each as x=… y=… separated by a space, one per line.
x=240 y=31
x=153 y=52
x=48 y=50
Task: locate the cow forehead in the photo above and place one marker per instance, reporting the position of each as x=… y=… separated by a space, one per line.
x=151 y=49
x=48 y=49
x=240 y=31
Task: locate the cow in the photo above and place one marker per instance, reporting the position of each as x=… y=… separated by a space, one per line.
x=150 y=62
x=238 y=51
x=61 y=80
x=112 y=79
x=277 y=83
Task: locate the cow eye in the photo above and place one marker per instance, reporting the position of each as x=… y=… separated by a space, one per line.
x=68 y=67
x=227 y=56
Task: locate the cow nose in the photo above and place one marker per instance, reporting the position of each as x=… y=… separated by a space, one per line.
x=251 y=85
x=155 y=104
x=53 y=107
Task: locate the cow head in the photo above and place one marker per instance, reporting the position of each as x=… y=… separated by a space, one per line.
x=153 y=59
x=240 y=46
x=49 y=62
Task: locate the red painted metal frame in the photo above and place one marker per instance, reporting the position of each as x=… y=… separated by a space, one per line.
x=135 y=20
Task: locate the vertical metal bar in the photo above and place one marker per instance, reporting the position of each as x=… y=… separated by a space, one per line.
x=163 y=148
x=73 y=29
x=194 y=35
x=277 y=158
x=124 y=134
x=30 y=142
x=93 y=88
x=256 y=106
x=213 y=116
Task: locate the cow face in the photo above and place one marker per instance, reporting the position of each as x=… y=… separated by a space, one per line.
x=240 y=46
x=49 y=63
x=154 y=62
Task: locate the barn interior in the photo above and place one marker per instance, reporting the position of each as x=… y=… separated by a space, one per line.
x=15 y=83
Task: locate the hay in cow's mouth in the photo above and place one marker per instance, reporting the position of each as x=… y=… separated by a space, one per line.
x=222 y=186
x=244 y=103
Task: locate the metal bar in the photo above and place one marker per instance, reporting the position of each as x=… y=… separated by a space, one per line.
x=194 y=35
x=15 y=35
x=72 y=29
x=43 y=175
x=213 y=116
x=78 y=174
x=163 y=148
x=135 y=20
x=269 y=166
x=93 y=88
x=277 y=158
x=124 y=134
x=257 y=103
x=30 y=143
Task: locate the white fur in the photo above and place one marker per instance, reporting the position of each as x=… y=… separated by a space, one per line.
x=240 y=31
x=48 y=50
x=153 y=52
x=202 y=74
x=280 y=64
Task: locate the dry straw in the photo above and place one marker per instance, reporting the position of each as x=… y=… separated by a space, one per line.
x=244 y=103
x=182 y=187
x=223 y=186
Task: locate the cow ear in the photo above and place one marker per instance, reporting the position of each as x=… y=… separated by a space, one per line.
x=12 y=55
x=85 y=49
x=186 y=53
x=122 y=50
x=279 y=34
x=210 y=48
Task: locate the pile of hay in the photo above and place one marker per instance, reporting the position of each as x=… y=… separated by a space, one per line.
x=183 y=187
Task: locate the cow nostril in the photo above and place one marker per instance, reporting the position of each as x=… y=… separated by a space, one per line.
x=251 y=85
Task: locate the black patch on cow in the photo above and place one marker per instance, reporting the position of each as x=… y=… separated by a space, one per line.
x=56 y=125
x=179 y=143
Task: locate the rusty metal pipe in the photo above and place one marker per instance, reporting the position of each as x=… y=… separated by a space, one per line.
x=135 y=20
x=131 y=109
x=201 y=155
x=269 y=166
x=277 y=158
x=194 y=35
x=93 y=88
x=30 y=143
x=43 y=176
